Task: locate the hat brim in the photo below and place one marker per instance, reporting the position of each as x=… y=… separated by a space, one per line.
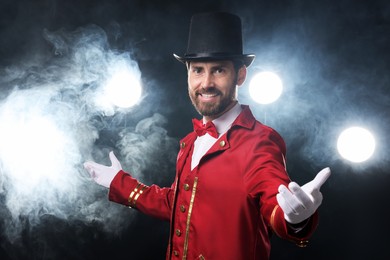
x=247 y=59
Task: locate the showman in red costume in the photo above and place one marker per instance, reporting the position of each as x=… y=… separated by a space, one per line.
x=231 y=189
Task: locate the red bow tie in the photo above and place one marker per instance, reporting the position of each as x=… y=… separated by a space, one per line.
x=202 y=129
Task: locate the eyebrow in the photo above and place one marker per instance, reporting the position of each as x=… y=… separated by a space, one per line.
x=213 y=66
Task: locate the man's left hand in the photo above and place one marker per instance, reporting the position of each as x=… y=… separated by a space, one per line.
x=299 y=203
x=101 y=174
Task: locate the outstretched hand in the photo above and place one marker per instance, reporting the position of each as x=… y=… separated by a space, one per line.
x=101 y=174
x=299 y=203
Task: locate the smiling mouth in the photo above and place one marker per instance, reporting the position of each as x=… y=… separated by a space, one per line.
x=208 y=95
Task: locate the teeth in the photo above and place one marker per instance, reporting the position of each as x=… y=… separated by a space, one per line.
x=209 y=95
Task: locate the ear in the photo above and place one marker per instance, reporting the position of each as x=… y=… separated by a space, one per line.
x=241 y=75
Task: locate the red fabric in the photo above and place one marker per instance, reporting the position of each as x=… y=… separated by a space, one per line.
x=201 y=129
x=234 y=207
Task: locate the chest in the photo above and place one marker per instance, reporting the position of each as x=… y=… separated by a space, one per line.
x=218 y=175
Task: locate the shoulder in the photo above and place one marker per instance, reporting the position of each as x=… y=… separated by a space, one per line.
x=246 y=124
x=247 y=120
x=189 y=138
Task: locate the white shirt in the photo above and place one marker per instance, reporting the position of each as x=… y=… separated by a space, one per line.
x=203 y=143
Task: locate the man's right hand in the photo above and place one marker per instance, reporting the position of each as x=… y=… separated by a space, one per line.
x=101 y=174
x=299 y=203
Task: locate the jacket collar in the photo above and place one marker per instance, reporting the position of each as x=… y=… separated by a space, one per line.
x=245 y=119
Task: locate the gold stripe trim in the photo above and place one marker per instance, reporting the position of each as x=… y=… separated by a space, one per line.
x=133 y=192
x=134 y=195
x=273 y=219
x=189 y=218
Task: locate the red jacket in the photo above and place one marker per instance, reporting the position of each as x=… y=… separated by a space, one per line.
x=226 y=207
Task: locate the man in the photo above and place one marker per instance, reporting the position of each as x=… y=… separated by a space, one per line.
x=230 y=192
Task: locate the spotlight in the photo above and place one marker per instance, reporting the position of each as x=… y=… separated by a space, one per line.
x=123 y=89
x=265 y=87
x=32 y=150
x=356 y=144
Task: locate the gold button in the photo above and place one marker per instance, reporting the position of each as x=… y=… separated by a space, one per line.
x=302 y=243
x=176 y=253
x=182 y=208
x=178 y=232
x=186 y=186
x=222 y=143
x=182 y=145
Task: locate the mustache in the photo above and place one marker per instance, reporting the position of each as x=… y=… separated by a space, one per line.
x=208 y=91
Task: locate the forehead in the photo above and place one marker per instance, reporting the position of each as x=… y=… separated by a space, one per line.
x=217 y=63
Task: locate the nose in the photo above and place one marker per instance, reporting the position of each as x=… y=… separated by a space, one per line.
x=208 y=80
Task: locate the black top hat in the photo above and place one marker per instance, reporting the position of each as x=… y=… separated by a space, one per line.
x=215 y=36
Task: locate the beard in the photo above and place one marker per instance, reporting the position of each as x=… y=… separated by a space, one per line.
x=213 y=108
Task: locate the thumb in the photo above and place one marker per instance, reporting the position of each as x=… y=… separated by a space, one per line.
x=320 y=178
x=114 y=161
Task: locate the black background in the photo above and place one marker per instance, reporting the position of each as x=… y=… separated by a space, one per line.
x=334 y=57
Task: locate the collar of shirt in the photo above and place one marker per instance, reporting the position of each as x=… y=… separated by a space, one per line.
x=224 y=122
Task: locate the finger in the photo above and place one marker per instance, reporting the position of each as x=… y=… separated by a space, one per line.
x=321 y=177
x=88 y=166
x=291 y=200
x=282 y=188
x=90 y=170
x=300 y=195
x=91 y=164
x=282 y=203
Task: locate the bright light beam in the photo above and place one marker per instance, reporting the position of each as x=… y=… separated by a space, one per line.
x=123 y=89
x=356 y=144
x=36 y=155
x=31 y=149
x=265 y=87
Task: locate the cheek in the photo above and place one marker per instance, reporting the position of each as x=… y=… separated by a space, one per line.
x=192 y=84
x=189 y=82
x=229 y=88
x=190 y=89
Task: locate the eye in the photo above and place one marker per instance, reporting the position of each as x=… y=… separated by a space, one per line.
x=219 y=71
x=196 y=70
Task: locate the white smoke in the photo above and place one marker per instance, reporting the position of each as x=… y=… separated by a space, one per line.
x=148 y=146
x=50 y=119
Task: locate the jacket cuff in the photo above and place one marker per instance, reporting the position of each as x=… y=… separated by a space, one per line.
x=125 y=189
x=282 y=229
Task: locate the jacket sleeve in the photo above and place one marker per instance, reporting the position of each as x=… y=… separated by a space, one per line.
x=266 y=172
x=151 y=200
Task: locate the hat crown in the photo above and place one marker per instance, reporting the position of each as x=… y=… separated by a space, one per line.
x=215 y=36
x=215 y=33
